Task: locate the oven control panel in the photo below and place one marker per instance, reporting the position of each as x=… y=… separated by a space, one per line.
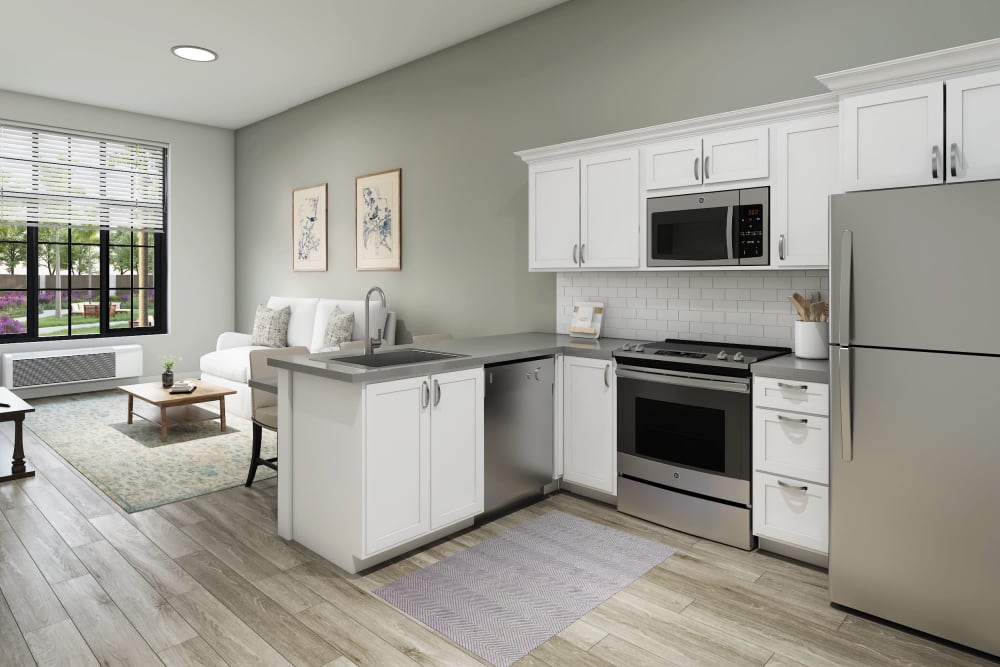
x=751 y=230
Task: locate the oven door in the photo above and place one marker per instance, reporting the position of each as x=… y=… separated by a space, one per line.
x=686 y=433
x=685 y=230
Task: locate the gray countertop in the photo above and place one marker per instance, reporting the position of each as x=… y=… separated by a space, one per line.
x=477 y=351
x=790 y=367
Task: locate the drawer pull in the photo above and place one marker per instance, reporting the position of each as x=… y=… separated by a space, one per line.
x=783 y=418
x=796 y=387
x=792 y=486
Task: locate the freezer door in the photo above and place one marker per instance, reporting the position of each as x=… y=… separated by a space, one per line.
x=914 y=533
x=919 y=268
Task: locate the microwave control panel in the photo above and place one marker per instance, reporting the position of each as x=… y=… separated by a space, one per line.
x=751 y=230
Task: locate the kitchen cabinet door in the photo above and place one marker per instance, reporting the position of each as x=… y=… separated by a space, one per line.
x=589 y=446
x=554 y=215
x=973 y=107
x=673 y=164
x=737 y=155
x=456 y=451
x=609 y=210
x=396 y=465
x=805 y=175
x=893 y=138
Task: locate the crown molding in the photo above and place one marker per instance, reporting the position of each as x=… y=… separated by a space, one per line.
x=933 y=65
x=802 y=107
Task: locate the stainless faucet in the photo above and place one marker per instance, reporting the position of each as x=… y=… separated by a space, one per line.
x=372 y=343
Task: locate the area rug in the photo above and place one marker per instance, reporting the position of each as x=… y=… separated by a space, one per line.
x=130 y=464
x=502 y=598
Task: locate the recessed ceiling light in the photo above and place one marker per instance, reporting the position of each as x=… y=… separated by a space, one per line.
x=195 y=53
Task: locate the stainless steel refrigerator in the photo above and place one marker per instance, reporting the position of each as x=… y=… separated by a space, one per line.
x=915 y=408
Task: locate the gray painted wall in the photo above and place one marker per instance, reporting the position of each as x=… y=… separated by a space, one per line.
x=452 y=120
x=200 y=227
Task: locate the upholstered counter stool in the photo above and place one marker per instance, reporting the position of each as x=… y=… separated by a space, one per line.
x=265 y=403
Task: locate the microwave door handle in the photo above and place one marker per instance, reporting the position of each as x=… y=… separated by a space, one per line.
x=730 y=233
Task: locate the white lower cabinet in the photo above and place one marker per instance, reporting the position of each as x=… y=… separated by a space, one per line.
x=423 y=456
x=589 y=439
x=791 y=477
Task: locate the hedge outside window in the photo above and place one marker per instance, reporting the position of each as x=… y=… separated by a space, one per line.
x=82 y=236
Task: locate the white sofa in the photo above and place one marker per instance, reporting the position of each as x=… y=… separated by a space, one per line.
x=229 y=365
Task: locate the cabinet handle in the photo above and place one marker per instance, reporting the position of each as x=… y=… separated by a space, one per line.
x=425 y=395
x=583 y=247
x=696 y=172
x=607 y=380
x=437 y=392
x=954 y=160
x=783 y=418
x=792 y=486
x=575 y=260
x=781 y=246
x=935 y=160
x=706 y=167
x=796 y=387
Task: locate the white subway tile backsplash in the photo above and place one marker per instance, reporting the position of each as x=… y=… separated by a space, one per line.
x=720 y=306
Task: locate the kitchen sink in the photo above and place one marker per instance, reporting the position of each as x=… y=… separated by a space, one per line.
x=395 y=358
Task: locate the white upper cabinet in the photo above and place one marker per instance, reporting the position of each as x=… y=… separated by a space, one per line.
x=739 y=155
x=921 y=135
x=554 y=214
x=971 y=128
x=893 y=138
x=735 y=155
x=805 y=175
x=584 y=213
x=673 y=164
x=609 y=209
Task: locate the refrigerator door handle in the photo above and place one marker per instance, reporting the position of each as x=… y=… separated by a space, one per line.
x=844 y=392
x=844 y=307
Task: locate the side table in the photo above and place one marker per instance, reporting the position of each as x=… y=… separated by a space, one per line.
x=12 y=463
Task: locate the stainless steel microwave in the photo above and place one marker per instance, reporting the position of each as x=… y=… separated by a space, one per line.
x=726 y=228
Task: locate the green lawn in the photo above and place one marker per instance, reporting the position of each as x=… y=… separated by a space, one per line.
x=52 y=321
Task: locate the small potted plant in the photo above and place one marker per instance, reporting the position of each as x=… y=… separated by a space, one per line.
x=168 y=370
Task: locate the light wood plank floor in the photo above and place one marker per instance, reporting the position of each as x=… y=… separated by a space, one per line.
x=208 y=582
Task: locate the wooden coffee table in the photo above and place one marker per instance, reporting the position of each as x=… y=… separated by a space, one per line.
x=165 y=408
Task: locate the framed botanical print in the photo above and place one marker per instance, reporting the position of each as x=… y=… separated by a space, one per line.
x=309 y=228
x=377 y=219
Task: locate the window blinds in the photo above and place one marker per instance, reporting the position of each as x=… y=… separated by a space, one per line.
x=52 y=179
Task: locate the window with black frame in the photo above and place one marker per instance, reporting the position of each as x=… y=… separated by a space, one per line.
x=82 y=235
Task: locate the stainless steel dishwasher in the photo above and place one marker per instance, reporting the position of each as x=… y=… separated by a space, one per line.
x=519 y=451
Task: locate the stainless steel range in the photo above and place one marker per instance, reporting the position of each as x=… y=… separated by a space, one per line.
x=684 y=431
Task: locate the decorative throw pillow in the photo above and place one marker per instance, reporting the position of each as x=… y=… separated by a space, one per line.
x=270 y=327
x=339 y=327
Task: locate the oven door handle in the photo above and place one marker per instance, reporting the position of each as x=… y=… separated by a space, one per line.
x=736 y=387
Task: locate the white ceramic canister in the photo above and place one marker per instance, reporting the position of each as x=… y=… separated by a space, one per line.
x=812 y=340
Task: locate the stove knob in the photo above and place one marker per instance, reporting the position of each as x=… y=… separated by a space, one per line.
x=627 y=347
x=721 y=355
x=640 y=348
x=738 y=356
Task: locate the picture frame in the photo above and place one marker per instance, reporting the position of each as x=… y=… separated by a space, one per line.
x=309 y=240
x=378 y=221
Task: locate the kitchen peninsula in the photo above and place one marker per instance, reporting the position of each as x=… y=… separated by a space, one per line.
x=378 y=460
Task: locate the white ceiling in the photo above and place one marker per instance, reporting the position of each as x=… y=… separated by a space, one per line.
x=273 y=55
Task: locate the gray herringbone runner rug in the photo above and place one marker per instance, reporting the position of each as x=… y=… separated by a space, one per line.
x=502 y=598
